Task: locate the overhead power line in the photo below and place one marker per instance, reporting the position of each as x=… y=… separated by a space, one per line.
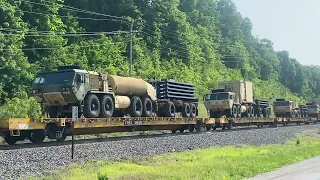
x=52 y=48
x=70 y=8
x=73 y=17
x=76 y=34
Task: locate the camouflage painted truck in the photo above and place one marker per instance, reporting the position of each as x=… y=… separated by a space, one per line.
x=288 y=108
x=101 y=96
x=235 y=99
x=314 y=107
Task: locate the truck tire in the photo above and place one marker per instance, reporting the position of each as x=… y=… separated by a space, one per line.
x=186 y=109
x=239 y=112
x=193 y=110
x=136 y=107
x=261 y=112
x=234 y=111
x=169 y=109
x=147 y=107
x=299 y=113
x=252 y=111
x=91 y=106
x=247 y=113
x=107 y=106
x=268 y=114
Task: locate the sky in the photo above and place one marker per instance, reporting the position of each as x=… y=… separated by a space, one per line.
x=292 y=25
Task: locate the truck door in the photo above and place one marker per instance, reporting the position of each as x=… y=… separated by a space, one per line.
x=80 y=89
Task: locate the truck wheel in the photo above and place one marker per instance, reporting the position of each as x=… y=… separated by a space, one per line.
x=299 y=113
x=169 y=109
x=91 y=106
x=107 y=106
x=247 y=113
x=147 y=107
x=186 y=110
x=252 y=111
x=239 y=111
x=234 y=111
x=260 y=112
x=136 y=107
x=268 y=113
x=193 y=110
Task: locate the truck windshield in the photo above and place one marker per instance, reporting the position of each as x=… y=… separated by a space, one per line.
x=217 y=96
x=55 y=78
x=281 y=103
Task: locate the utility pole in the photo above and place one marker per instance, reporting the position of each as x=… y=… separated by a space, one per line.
x=131 y=37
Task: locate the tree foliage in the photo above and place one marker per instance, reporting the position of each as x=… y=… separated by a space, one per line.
x=197 y=41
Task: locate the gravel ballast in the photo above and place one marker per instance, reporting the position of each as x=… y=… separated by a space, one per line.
x=37 y=161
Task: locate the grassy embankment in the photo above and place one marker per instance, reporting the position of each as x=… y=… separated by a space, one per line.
x=212 y=163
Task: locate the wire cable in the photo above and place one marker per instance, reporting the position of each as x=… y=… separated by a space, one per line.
x=70 y=8
x=52 y=48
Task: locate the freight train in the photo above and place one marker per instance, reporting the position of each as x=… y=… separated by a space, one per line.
x=109 y=103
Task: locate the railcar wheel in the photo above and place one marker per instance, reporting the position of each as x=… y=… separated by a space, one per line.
x=37 y=136
x=11 y=140
x=147 y=107
x=91 y=106
x=208 y=128
x=193 y=110
x=136 y=107
x=191 y=128
x=107 y=106
x=186 y=110
x=169 y=109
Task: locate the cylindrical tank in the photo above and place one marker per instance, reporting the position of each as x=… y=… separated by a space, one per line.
x=127 y=85
x=122 y=102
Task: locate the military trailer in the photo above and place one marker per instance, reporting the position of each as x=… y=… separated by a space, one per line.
x=98 y=95
x=286 y=108
x=235 y=99
x=173 y=97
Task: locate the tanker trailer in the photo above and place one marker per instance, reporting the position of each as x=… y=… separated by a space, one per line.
x=175 y=97
x=142 y=95
x=71 y=86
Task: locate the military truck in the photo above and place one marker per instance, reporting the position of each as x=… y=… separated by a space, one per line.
x=288 y=108
x=235 y=99
x=97 y=95
x=313 y=109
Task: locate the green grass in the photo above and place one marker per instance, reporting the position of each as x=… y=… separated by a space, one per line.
x=212 y=163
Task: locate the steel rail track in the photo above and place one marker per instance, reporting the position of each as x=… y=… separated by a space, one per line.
x=124 y=138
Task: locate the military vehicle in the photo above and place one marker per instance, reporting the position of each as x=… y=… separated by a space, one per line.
x=178 y=97
x=97 y=95
x=313 y=109
x=287 y=108
x=235 y=99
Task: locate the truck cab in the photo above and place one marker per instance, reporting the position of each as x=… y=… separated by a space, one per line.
x=313 y=109
x=61 y=89
x=220 y=103
x=286 y=108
